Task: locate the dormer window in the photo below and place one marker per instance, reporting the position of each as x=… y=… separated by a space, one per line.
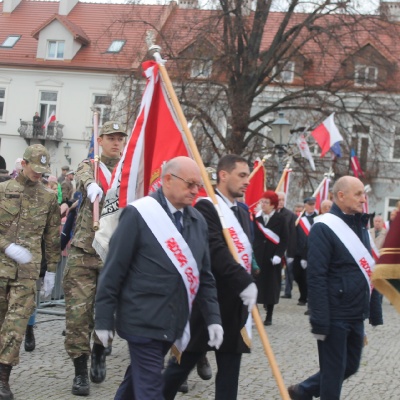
x=10 y=41
x=55 y=49
x=201 y=69
x=366 y=75
x=286 y=75
x=116 y=46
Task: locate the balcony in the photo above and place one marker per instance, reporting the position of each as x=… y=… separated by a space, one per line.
x=29 y=130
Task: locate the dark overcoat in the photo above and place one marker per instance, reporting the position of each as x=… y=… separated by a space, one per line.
x=270 y=276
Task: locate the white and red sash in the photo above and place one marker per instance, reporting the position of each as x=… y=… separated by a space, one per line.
x=104 y=176
x=305 y=225
x=374 y=249
x=352 y=243
x=270 y=235
x=240 y=241
x=177 y=250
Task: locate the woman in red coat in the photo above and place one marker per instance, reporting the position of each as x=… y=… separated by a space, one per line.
x=270 y=243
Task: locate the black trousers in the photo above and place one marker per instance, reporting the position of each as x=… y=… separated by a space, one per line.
x=226 y=380
x=300 y=276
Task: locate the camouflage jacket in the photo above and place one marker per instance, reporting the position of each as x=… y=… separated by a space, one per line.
x=28 y=212
x=84 y=176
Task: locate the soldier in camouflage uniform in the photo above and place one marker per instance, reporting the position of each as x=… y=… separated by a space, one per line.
x=28 y=212
x=84 y=265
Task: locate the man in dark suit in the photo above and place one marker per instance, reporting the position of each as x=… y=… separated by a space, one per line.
x=290 y=220
x=158 y=259
x=237 y=293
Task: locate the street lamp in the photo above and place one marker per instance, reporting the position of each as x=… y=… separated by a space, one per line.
x=280 y=130
x=67 y=149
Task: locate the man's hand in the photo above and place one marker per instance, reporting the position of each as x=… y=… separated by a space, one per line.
x=216 y=334
x=319 y=337
x=48 y=283
x=303 y=264
x=104 y=336
x=18 y=253
x=94 y=190
x=249 y=296
x=276 y=260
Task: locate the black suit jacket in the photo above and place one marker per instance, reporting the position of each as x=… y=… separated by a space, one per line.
x=231 y=279
x=290 y=220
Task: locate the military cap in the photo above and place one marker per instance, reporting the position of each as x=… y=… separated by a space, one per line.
x=309 y=200
x=110 y=127
x=65 y=168
x=38 y=158
x=71 y=172
x=212 y=175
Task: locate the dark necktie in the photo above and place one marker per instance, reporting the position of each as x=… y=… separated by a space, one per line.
x=178 y=216
x=235 y=211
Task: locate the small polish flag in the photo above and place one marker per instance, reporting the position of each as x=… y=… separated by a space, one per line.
x=52 y=118
x=327 y=135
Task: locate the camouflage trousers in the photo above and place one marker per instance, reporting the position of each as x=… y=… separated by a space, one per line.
x=80 y=283
x=17 y=303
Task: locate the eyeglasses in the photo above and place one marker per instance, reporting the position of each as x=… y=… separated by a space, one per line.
x=190 y=185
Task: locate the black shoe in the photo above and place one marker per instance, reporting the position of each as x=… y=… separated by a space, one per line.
x=98 y=363
x=294 y=393
x=81 y=385
x=286 y=296
x=268 y=322
x=204 y=369
x=108 y=350
x=5 y=391
x=29 y=339
x=301 y=303
x=307 y=312
x=184 y=388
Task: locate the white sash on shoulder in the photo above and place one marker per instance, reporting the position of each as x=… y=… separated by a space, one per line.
x=241 y=242
x=352 y=243
x=176 y=249
x=270 y=235
x=305 y=225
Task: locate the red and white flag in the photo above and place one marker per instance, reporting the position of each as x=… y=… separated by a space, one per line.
x=157 y=136
x=52 y=118
x=256 y=187
x=286 y=183
x=327 y=135
x=323 y=194
x=305 y=150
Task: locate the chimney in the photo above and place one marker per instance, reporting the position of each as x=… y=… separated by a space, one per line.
x=10 y=5
x=66 y=6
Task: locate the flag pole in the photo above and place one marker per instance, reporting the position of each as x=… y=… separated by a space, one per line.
x=154 y=50
x=285 y=172
x=96 y=211
x=260 y=164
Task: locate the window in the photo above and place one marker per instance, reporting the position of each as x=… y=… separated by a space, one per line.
x=2 y=99
x=360 y=143
x=201 y=69
x=103 y=103
x=286 y=75
x=10 y=41
x=396 y=144
x=366 y=75
x=48 y=104
x=55 y=49
x=116 y=46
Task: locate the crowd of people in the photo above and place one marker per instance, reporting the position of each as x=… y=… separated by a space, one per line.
x=171 y=283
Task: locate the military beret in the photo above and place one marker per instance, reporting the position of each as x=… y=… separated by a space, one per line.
x=309 y=200
x=112 y=127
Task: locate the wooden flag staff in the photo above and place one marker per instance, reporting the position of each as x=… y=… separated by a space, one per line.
x=284 y=173
x=155 y=52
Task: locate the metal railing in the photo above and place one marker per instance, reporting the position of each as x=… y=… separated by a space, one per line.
x=35 y=130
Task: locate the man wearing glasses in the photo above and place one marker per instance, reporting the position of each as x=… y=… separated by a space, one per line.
x=237 y=293
x=158 y=263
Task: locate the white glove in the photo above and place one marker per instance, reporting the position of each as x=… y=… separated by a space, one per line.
x=303 y=264
x=216 y=334
x=94 y=190
x=289 y=260
x=48 y=283
x=249 y=296
x=104 y=336
x=319 y=337
x=276 y=260
x=18 y=253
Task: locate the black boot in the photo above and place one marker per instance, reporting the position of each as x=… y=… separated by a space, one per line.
x=29 y=339
x=5 y=391
x=81 y=385
x=268 y=318
x=98 y=365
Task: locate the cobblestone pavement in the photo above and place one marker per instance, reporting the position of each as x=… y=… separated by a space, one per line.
x=47 y=372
